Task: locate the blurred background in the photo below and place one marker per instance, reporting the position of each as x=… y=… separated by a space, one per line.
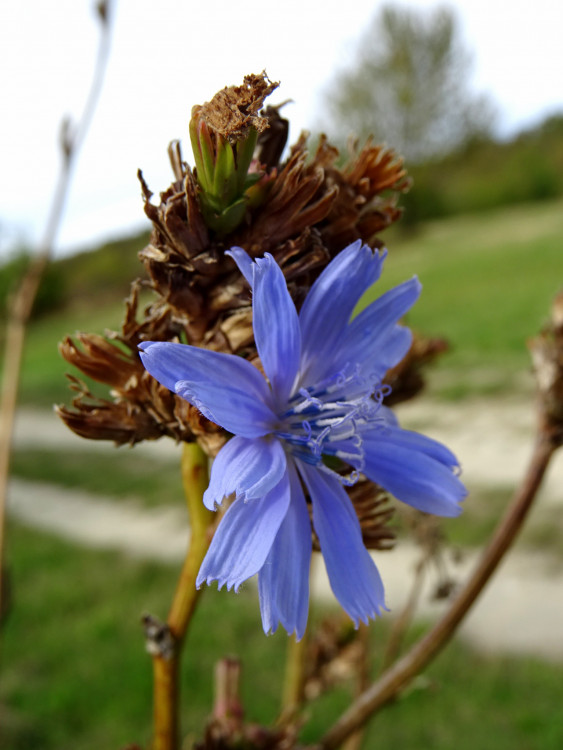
x=470 y=93
x=163 y=63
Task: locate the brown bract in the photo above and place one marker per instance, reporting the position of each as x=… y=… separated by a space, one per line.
x=140 y=408
x=374 y=511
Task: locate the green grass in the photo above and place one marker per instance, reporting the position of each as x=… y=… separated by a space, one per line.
x=471 y=701
x=75 y=674
x=43 y=381
x=488 y=283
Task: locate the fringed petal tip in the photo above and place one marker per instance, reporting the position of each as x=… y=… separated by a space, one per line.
x=353 y=575
x=378 y=609
x=369 y=616
x=417 y=470
x=283 y=581
x=290 y=632
x=150 y=355
x=212 y=502
x=221 y=582
x=244 y=538
x=380 y=256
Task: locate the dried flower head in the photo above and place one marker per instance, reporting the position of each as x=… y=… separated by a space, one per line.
x=547 y=357
x=301 y=211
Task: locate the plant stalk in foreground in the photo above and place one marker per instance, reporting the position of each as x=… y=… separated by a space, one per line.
x=294 y=682
x=167 y=653
x=397 y=677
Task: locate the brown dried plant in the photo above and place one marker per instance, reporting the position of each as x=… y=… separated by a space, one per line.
x=309 y=208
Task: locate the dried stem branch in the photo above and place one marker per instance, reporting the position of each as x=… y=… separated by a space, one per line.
x=395 y=679
x=22 y=303
x=355 y=740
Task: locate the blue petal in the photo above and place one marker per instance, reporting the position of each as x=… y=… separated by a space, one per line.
x=353 y=576
x=244 y=538
x=384 y=312
x=283 y=581
x=276 y=328
x=424 y=444
x=228 y=390
x=329 y=305
x=415 y=469
x=249 y=468
x=387 y=416
x=373 y=338
x=244 y=263
x=393 y=348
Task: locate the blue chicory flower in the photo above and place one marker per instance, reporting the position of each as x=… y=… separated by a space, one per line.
x=321 y=401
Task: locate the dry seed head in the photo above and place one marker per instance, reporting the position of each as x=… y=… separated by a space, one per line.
x=546 y=350
x=310 y=210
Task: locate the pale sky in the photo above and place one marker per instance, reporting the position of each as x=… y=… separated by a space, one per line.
x=168 y=55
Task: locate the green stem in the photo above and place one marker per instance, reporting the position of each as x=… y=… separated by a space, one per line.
x=195 y=478
x=166 y=663
x=294 y=683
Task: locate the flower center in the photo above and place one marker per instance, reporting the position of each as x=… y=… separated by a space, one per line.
x=327 y=420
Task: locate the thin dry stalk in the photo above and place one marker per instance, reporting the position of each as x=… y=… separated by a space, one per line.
x=395 y=679
x=355 y=740
x=22 y=303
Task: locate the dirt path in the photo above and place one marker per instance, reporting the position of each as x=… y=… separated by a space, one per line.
x=521 y=610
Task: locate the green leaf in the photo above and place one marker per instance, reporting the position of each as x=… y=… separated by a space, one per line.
x=228 y=219
x=244 y=154
x=204 y=156
x=225 y=177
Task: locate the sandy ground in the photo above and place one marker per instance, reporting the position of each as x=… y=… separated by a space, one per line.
x=520 y=611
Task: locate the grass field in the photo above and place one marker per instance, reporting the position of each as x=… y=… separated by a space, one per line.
x=75 y=674
x=488 y=284
x=43 y=381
